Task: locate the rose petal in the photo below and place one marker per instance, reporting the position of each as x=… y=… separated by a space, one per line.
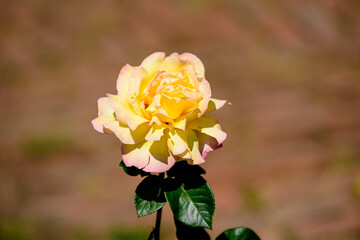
x=175 y=107
x=156 y=132
x=124 y=112
x=136 y=155
x=104 y=107
x=207 y=143
x=161 y=159
x=140 y=79
x=122 y=82
x=99 y=121
x=204 y=88
x=193 y=145
x=215 y=104
x=179 y=144
x=108 y=124
x=199 y=66
x=172 y=63
x=180 y=123
x=209 y=126
x=152 y=62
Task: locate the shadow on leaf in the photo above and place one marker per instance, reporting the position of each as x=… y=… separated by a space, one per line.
x=151 y=189
x=184 y=232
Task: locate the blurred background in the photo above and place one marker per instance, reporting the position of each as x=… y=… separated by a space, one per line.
x=290 y=167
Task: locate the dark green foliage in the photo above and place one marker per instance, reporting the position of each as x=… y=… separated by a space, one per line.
x=149 y=195
x=184 y=232
x=239 y=233
x=189 y=195
x=132 y=171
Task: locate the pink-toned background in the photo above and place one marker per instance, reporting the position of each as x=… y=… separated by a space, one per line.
x=290 y=167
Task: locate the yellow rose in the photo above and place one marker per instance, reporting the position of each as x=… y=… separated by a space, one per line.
x=158 y=112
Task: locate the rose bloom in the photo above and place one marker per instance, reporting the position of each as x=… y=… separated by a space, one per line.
x=158 y=113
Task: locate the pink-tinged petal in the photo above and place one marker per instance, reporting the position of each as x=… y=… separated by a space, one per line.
x=136 y=155
x=108 y=124
x=105 y=115
x=139 y=81
x=133 y=120
x=99 y=121
x=152 y=62
x=123 y=81
x=104 y=108
x=161 y=159
x=215 y=104
x=121 y=131
x=207 y=143
x=156 y=132
x=204 y=88
x=194 y=146
x=124 y=112
x=210 y=126
x=199 y=66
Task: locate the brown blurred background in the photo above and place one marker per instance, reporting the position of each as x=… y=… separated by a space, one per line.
x=290 y=167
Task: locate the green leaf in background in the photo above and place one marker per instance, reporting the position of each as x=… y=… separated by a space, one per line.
x=239 y=233
x=132 y=171
x=191 y=200
x=149 y=195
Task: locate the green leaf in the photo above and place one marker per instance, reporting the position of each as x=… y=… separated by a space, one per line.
x=184 y=232
x=149 y=195
x=239 y=233
x=191 y=200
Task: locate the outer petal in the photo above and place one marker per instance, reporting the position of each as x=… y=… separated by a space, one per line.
x=125 y=134
x=123 y=80
x=199 y=67
x=124 y=112
x=152 y=62
x=136 y=154
x=204 y=88
x=98 y=123
x=210 y=126
x=215 y=104
x=172 y=63
x=161 y=159
x=179 y=141
x=193 y=145
x=207 y=143
x=139 y=81
x=155 y=133
x=149 y=156
x=107 y=123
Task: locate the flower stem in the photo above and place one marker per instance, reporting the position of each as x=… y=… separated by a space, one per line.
x=158 y=218
x=157 y=225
